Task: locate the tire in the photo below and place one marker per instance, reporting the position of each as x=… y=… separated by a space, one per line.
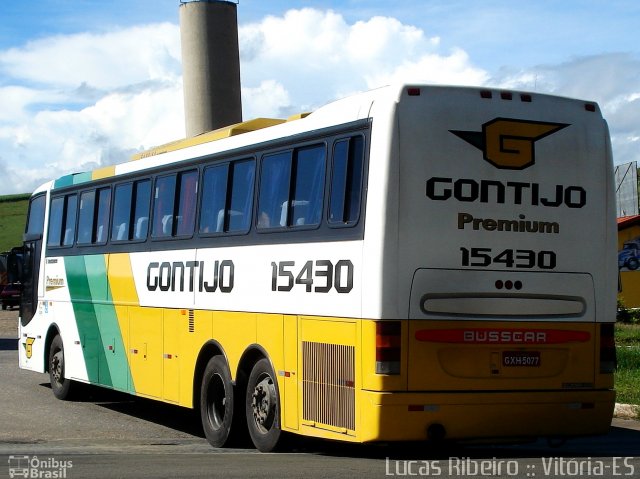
x=61 y=386
x=263 y=407
x=216 y=402
x=633 y=263
x=4 y=306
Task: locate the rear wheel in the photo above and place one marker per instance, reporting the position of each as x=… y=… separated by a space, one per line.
x=216 y=402
x=60 y=385
x=263 y=407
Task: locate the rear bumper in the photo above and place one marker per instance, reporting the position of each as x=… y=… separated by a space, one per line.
x=475 y=415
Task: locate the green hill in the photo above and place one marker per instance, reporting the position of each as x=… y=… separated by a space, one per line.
x=13 y=216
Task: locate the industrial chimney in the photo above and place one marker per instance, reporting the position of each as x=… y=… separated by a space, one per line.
x=210 y=65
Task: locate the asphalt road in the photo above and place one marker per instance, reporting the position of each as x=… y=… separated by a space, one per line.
x=113 y=435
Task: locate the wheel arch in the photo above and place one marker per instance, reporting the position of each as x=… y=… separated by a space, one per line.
x=250 y=357
x=209 y=349
x=52 y=332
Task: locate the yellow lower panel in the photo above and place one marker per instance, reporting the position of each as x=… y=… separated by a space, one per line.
x=145 y=350
x=386 y=416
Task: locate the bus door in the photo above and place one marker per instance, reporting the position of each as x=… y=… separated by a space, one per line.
x=31 y=258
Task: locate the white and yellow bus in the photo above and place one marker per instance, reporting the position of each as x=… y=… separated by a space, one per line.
x=410 y=263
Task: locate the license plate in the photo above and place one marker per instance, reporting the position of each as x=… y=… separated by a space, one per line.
x=530 y=359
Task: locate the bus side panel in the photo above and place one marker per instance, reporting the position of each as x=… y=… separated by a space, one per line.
x=291 y=380
x=173 y=322
x=192 y=337
x=122 y=293
x=146 y=332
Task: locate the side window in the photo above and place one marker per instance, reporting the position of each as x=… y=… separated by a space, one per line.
x=85 y=218
x=55 y=221
x=275 y=180
x=227 y=197
x=346 y=181
x=102 y=215
x=142 y=200
x=174 y=207
x=130 y=211
x=214 y=199
x=120 y=226
x=308 y=188
x=186 y=210
x=71 y=206
x=35 y=221
x=164 y=196
x=291 y=188
x=241 y=203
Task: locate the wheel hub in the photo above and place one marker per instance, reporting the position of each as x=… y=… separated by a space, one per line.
x=263 y=404
x=56 y=366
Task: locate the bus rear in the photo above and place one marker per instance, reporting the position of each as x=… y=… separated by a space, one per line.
x=505 y=253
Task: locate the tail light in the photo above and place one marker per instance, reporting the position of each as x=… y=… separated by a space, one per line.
x=607 y=349
x=388 y=351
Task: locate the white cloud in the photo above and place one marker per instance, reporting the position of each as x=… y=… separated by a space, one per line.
x=78 y=102
x=453 y=69
x=317 y=56
x=268 y=99
x=101 y=60
x=53 y=143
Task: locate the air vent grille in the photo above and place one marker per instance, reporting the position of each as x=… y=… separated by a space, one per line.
x=329 y=384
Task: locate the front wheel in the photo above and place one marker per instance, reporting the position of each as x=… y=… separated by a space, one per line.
x=263 y=407
x=216 y=402
x=60 y=385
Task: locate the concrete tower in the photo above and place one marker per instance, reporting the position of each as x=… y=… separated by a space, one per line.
x=210 y=65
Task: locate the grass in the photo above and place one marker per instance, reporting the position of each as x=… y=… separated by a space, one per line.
x=13 y=215
x=627 y=334
x=627 y=376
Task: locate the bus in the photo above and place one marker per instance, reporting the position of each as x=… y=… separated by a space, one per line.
x=410 y=263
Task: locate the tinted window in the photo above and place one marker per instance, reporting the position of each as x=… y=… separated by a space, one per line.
x=214 y=198
x=346 y=181
x=102 y=215
x=308 y=186
x=243 y=174
x=35 y=224
x=85 y=218
x=186 y=211
x=55 y=221
x=71 y=206
x=287 y=203
x=121 y=212
x=164 y=197
x=141 y=209
x=273 y=204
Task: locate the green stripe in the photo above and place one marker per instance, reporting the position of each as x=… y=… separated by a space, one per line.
x=81 y=177
x=63 y=181
x=97 y=322
x=72 y=179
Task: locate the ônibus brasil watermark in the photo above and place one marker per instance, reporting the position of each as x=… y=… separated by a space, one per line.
x=38 y=468
x=495 y=467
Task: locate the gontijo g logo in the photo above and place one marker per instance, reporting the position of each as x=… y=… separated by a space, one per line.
x=508 y=143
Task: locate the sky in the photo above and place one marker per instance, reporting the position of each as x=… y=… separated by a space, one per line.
x=87 y=83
